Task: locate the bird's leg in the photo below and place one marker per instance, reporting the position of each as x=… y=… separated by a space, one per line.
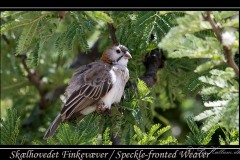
x=103 y=109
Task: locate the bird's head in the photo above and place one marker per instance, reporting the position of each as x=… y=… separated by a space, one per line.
x=116 y=54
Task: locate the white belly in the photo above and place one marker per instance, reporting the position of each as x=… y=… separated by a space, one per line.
x=88 y=110
x=119 y=79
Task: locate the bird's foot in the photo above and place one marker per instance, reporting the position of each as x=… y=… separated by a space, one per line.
x=103 y=109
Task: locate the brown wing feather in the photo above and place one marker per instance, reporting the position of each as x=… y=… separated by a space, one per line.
x=88 y=84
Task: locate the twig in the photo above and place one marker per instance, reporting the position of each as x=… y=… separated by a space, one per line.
x=45 y=96
x=32 y=77
x=227 y=51
x=61 y=14
x=215 y=27
x=112 y=30
x=230 y=60
x=5 y=39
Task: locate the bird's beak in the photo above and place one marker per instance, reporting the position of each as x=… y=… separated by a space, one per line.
x=127 y=55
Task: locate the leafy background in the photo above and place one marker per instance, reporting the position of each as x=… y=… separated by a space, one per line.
x=194 y=101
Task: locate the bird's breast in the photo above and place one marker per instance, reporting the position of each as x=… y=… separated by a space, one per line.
x=119 y=78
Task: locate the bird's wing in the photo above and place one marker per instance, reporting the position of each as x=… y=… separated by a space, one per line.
x=87 y=86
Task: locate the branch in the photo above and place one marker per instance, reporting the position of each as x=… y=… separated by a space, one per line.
x=153 y=61
x=61 y=14
x=227 y=51
x=32 y=77
x=5 y=39
x=215 y=27
x=230 y=60
x=112 y=31
x=49 y=96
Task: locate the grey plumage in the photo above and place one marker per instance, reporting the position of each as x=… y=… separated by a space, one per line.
x=89 y=85
x=53 y=127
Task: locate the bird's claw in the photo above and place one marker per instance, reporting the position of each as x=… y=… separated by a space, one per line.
x=102 y=109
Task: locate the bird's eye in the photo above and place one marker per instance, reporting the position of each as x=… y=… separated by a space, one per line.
x=118 y=51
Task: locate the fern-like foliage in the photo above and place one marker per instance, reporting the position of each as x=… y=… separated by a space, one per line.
x=99 y=16
x=143 y=91
x=187 y=44
x=10 y=128
x=224 y=109
x=195 y=65
x=177 y=81
x=142 y=111
x=106 y=137
x=231 y=138
x=144 y=24
x=198 y=137
x=152 y=136
x=37 y=29
x=193 y=38
x=83 y=133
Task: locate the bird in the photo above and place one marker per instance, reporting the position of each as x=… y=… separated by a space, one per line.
x=94 y=87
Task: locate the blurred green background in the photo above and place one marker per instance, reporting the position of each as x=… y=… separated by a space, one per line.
x=52 y=44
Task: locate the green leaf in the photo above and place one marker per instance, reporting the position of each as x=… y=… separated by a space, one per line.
x=99 y=16
x=152 y=136
x=192 y=125
x=163 y=130
x=10 y=128
x=26 y=38
x=36 y=54
x=209 y=135
x=142 y=88
x=84 y=132
x=168 y=141
x=106 y=137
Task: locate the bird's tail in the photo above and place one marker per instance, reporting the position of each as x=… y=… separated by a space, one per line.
x=53 y=127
